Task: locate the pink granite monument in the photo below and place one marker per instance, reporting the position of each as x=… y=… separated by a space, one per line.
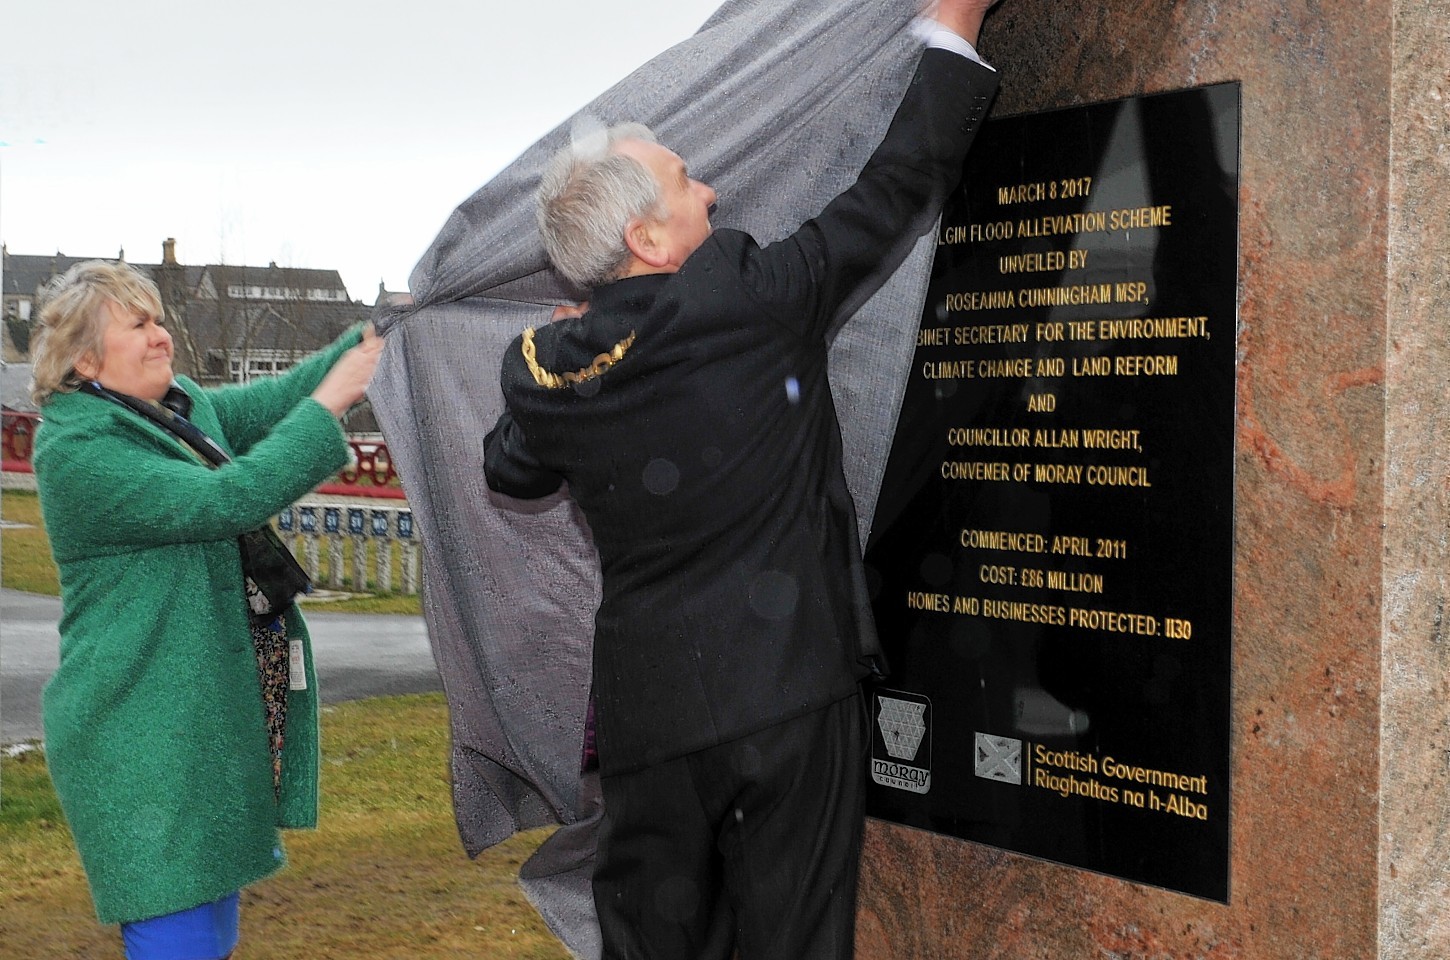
x=1339 y=732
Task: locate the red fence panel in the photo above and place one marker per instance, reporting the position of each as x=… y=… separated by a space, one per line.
x=370 y=474
x=18 y=432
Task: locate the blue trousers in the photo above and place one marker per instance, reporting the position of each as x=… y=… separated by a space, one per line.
x=207 y=932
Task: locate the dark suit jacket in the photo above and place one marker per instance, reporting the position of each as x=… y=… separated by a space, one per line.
x=707 y=458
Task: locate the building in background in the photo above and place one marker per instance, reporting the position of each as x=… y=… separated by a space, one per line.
x=229 y=323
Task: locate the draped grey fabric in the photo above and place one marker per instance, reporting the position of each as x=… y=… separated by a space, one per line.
x=777 y=105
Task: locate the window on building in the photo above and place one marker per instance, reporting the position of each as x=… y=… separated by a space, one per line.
x=261 y=363
x=239 y=291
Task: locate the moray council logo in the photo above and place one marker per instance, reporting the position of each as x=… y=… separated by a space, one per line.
x=901 y=741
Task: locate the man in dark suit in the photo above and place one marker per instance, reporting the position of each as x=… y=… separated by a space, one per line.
x=689 y=411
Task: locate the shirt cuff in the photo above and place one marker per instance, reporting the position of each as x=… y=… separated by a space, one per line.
x=935 y=35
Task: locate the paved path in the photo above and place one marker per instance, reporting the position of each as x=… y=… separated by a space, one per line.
x=358 y=655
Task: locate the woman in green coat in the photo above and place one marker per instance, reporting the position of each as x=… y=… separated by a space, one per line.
x=181 y=725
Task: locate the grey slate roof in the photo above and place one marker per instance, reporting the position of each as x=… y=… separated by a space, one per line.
x=290 y=325
x=25 y=273
x=273 y=275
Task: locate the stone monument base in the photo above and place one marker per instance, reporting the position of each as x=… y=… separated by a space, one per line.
x=1340 y=805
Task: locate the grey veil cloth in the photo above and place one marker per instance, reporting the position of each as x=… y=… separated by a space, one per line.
x=777 y=105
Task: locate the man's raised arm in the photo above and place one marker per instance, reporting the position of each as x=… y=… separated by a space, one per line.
x=962 y=17
x=901 y=188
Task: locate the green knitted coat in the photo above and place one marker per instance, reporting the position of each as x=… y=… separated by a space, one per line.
x=154 y=727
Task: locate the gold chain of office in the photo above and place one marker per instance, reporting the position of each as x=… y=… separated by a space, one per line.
x=557 y=381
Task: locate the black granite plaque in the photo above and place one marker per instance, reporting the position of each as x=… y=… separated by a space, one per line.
x=1052 y=548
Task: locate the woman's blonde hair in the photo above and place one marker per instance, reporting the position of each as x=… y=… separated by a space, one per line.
x=72 y=323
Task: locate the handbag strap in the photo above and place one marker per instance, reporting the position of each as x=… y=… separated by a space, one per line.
x=166 y=418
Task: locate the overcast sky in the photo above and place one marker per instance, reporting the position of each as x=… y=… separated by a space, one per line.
x=314 y=134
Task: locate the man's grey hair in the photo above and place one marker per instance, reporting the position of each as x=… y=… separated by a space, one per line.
x=587 y=196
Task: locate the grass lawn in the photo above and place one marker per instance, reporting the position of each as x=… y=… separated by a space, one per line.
x=25 y=551
x=384 y=876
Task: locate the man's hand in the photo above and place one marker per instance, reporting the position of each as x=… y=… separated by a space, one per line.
x=962 y=17
x=565 y=311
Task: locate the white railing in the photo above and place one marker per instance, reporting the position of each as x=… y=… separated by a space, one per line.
x=347 y=532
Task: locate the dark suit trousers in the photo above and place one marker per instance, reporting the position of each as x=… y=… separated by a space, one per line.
x=752 y=845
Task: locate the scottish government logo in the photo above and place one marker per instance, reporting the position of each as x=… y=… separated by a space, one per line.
x=901 y=742
x=999 y=758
